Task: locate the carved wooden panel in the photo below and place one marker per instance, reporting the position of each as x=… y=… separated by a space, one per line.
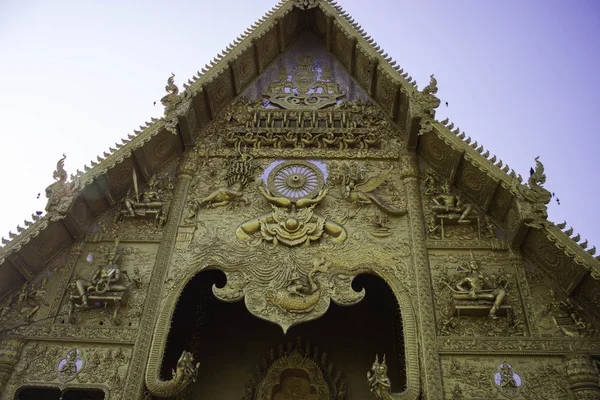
x=11 y=279
x=476 y=183
x=45 y=246
x=244 y=68
x=120 y=178
x=480 y=377
x=439 y=155
x=160 y=149
x=500 y=203
x=201 y=109
x=268 y=48
x=342 y=45
x=320 y=24
x=93 y=196
x=80 y=215
x=292 y=24
x=553 y=260
x=363 y=69
x=220 y=91
x=402 y=109
x=386 y=90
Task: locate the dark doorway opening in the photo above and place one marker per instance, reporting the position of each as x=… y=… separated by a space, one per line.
x=229 y=342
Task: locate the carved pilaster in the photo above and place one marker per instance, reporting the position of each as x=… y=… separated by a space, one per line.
x=10 y=350
x=67 y=274
x=432 y=377
x=582 y=374
x=135 y=380
x=525 y=293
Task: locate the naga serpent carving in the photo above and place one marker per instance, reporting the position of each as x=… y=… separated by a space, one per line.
x=296 y=297
x=184 y=374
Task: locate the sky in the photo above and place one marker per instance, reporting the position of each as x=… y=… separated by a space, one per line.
x=520 y=77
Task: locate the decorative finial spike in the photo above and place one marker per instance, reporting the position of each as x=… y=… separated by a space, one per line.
x=569 y=231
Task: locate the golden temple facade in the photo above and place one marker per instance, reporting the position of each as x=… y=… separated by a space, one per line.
x=298 y=225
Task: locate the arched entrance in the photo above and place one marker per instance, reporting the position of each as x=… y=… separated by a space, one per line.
x=232 y=345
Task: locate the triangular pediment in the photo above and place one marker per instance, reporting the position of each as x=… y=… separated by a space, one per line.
x=245 y=70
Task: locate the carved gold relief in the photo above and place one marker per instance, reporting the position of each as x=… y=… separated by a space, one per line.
x=292 y=221
x=298 y=371
x=146 y=204
x=294 y=294
x=305 y=88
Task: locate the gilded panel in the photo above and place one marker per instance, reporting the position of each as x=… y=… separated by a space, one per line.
x=160 y=149
x=500 y=203
x=73 y=365
x=385 y=92
x=93 y=196
x=119 y=178
x=220 y=91
x=588 y=295
x=440 y=156
x=244 y=68
x=363 y=68
x=553 y=260
x=291 y=25
x=475 y=182
x=498 y=377
x=201 y=108
x=342 y=45
x=11 y=279
x=320 y=24
x=476 y=294
x=268 y=48
x=45 y=246
x=556 y=314
x=80 y=214
x=134 y=262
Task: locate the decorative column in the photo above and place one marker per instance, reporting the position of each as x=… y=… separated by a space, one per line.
x=582 y=374
x=135 y=377
x=10 y=350
x=431 y=380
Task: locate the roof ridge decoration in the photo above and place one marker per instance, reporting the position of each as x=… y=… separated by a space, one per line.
x=306 y=4
x=533 y=193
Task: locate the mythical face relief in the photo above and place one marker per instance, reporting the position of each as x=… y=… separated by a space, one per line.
x=295 y=188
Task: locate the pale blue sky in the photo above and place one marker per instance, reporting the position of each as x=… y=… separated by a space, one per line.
x=520 y=77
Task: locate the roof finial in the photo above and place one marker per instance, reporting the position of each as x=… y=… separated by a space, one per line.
x=306 y=4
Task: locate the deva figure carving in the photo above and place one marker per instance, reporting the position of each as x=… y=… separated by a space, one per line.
x=106 y=286
x=477 y=289
x=379 y=383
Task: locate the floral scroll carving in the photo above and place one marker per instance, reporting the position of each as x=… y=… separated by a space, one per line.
x=294 y=295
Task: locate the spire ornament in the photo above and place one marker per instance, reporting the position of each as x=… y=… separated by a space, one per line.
x=60 y=194
x=306 y=4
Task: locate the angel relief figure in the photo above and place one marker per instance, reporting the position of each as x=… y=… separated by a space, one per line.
x=357 y=189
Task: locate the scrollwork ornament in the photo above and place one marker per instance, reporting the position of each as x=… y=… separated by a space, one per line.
x=292 y=297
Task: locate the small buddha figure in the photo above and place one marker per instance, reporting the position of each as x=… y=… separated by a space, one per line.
x=447 y=204
x=476 y=286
